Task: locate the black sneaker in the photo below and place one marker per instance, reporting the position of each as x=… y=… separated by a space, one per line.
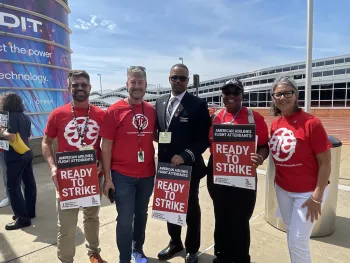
x=15 y=217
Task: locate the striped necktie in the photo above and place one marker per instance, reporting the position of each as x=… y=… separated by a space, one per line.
x=170 y=110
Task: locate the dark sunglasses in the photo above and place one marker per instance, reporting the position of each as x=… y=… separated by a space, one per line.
x=232 y=92
x=286 y=94
x=76 y=85
x=181 y=78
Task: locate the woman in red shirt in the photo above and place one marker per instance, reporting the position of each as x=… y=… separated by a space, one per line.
x=301 y=152
x=234 y=206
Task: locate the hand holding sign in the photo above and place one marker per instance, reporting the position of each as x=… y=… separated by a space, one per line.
x=257 y=159
x=177 y=160
x=54 y=176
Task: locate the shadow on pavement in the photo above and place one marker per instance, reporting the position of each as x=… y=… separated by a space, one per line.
x=338 y=238
x=6 y=249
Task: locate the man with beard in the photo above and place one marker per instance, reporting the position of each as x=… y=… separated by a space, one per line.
x=184 y=120
x=76 y=126
x=128 y=162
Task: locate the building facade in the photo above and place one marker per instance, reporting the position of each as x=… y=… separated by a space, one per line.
x=330 y=85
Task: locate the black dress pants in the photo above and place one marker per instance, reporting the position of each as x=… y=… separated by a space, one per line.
x=193 y=220
x=233 y=208
x=18 y=171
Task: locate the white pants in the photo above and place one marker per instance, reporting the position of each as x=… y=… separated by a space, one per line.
x=298 y=228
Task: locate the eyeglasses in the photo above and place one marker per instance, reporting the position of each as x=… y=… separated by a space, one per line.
x=181 y=78
x=137 y=67
x=232 y=92
x=286 y=94
x=83 y=85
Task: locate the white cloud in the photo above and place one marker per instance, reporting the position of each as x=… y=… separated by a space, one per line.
x=95 y=23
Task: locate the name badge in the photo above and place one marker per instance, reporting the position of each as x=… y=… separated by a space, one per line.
x=141 y=156
x=86 y=147
x=164 y=137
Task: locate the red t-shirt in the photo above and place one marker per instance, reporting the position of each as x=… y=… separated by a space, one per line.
x=120 y=125
x=60 y=124
x=260 y=125
x=295 y=141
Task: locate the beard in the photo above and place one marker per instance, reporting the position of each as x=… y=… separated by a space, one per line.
x=80 y=96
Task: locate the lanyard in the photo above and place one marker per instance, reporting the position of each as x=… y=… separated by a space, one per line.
x=139 y=123
x=81 y=132
x=234 y=118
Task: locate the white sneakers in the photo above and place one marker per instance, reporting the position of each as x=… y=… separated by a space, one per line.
x=5 y=202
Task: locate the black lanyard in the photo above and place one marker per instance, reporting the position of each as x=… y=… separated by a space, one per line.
x=234 y=118
x=139 y=124
x=81 y=132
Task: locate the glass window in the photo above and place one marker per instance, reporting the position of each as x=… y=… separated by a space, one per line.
x=301 y=95
x=329 y=62
x=347 y=60
x=328 y=73
x=326 y=94
x=320 y=64
x=317 y=74
x=253 y=104
x=272 y=71
x=264 y=73
x=246 y=104
x=262 y=95
x=315 y=95
x=253 y=96
x=339 y=71
x=340 y=85
x=301 y=88
x=326 y=103
x=256 y=82
x=339 y=103
x=339 y=61
x=270 y=80
x=286 y=69
x=211 y=90
x=301 y=103
x=326 y=86
x=315 y=87
x=298 y=76
x=262 y=104
x=314 y=103
x=302 y=66
x=278 y=70
x=246 y=97
x=263 y=81
x=339 y=94
x=294 y=68
x=216 y=99
x=313 y=64
x=249 y=83
x=348 y=71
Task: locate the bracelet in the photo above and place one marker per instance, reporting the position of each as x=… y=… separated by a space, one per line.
x=317 y=202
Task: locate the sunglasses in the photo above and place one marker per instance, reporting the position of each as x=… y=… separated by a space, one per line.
x=181 y=78
x=232 y=92
x=137 y=67
x=286 y=94
x=83 y=85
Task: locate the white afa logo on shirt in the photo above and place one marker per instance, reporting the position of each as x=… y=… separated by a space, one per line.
x=140 y=120
x=72 y=136
x=282 y=144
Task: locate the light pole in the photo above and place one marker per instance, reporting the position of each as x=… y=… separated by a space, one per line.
x=182 y=60
x=310 y=7
x=100 y=83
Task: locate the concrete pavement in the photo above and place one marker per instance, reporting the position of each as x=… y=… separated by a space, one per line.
x=268 y=244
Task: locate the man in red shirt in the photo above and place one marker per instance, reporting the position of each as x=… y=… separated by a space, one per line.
x=128 y=163
x=75 y=125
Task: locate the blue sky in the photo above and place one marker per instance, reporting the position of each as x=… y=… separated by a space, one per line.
x=216 y=38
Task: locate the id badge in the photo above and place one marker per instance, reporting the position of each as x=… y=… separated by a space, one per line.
x=86 y=147
x=140 y=156
x=164 y=137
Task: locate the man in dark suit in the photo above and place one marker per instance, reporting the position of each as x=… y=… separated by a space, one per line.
x=183 y=125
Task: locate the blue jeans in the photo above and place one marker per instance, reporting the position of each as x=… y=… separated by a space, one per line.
x=132 y=197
